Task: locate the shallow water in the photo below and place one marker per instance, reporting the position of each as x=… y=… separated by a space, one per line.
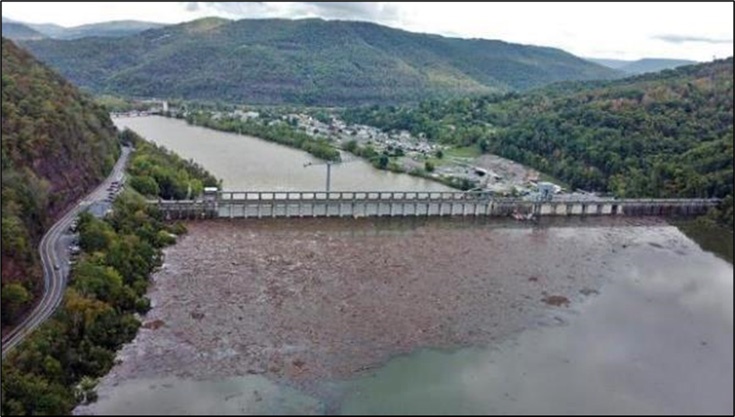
x=658 y=340
x=250 y=394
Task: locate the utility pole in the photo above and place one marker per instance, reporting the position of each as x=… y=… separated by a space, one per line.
x=329 y=167
x=329 y=173
x=329 y=170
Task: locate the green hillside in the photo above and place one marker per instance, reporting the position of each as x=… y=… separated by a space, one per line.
x=663 y=134
x=309 y=61
x=57 y=144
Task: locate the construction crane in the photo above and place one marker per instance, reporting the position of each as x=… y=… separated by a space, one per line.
x=329 y=166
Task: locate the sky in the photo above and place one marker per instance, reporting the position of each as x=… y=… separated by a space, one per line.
x=696 y=31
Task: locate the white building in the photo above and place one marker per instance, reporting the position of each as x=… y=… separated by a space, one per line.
x=547 y=190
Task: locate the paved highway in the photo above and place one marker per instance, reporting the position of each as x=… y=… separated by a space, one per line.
x=55 y=254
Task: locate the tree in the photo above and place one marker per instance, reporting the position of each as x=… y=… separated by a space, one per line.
x=82 y=312
x=84 y=392
x=100 y=282
x=484 y=145
x=14 y=298
x=439 y=154
x=33 y=394
x=95 y=235
x=351 y=146
x=383 y=161
x=368 y=152
x=428 y=166
x=145 y=185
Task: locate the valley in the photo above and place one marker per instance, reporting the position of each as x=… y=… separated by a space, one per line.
x=510 y=227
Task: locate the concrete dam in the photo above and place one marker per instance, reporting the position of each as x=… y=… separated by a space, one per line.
x=299 y=204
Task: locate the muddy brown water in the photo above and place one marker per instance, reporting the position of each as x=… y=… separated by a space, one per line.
x=246 y=163
x=440 y=316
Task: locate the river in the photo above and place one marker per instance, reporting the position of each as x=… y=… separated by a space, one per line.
x=435 y=316
x=245 y=163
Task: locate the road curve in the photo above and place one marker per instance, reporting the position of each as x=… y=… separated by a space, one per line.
x=54 y=252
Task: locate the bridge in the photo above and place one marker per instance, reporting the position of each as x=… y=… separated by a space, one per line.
x=259 y=204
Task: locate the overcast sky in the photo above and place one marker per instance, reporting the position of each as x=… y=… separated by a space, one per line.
x=695 y=31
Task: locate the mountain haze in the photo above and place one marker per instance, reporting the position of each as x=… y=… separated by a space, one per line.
x=117 y=28
x=642 y=66
x=309 y=61
x=19 y=31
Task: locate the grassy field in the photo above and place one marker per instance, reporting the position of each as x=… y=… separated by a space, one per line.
x=451 y=155
x=465 y=152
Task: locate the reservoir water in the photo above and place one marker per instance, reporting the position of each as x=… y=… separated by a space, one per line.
x=245 y=163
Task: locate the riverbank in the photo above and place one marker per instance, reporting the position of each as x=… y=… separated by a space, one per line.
x=57 y=365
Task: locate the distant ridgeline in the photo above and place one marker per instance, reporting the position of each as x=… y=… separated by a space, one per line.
x=642 y=66
x=57 y=144
x=666 y=134
x=308 y=61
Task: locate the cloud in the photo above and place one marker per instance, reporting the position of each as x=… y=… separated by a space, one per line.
x=191 y=6
x=237 y=10
x=375 y=12
x=379 y=12
x=678 y=39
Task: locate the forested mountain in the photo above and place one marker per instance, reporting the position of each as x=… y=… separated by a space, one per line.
x=642 y=66
x=309 y=61
x=663 y=134
x=57 y=144
x=116 y=28
x=18 y=31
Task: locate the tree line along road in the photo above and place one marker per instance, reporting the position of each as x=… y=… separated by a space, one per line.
x=54 y=257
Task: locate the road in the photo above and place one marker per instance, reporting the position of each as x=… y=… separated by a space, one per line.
x=54 y=253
